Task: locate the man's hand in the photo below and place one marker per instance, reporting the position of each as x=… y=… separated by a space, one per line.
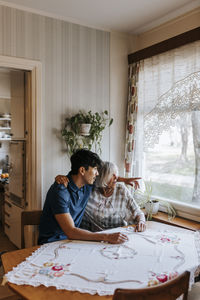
x=62 y=179
x=140 y=226
x=116 y=238
x=130 y=181
x=73 y=233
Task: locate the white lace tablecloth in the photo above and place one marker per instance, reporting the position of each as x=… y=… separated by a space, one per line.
x=148 y=258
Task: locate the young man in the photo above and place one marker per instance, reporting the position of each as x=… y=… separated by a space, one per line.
x=64 y=207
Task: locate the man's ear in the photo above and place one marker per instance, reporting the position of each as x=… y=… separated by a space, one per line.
x=82 y=171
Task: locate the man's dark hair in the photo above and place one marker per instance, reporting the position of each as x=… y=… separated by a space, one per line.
x=84 y=158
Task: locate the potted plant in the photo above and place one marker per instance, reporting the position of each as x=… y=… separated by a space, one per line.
x=151 y=204
x=83 y=130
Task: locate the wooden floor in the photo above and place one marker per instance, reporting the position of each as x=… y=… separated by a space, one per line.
x=6 y=245
x=7 y=294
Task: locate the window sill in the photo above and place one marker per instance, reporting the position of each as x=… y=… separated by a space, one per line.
x=177 y=221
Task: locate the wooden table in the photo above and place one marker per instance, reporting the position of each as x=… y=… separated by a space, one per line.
x=12 y=259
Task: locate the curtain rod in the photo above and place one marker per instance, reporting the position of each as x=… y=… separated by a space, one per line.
x=169 y=44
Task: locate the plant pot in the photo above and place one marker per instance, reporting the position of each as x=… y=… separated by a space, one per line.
x=85 y=129
x=152 y=207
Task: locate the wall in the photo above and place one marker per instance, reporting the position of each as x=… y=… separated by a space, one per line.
x=75 y=75
x=75 y=69
x=120 y=46
x=169 y=29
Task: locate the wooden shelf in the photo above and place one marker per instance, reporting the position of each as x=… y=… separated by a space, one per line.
x=5 y=119
x=5 y=139
x=177 y=221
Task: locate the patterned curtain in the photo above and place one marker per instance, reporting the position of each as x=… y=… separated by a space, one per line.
x=133 y=72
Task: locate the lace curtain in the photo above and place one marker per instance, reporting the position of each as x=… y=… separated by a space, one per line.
x=169 y=85
x=183 y=97
x=133 y=71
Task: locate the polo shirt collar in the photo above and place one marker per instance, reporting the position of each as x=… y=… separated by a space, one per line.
x=72 y=185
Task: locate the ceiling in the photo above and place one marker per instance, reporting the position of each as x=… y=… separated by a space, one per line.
x=127 y=16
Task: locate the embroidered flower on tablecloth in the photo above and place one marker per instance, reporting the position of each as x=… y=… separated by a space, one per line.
x=59 y=274
x=157 y=278
x=44 y=271
x=168 y=239
x=118 y=252
x=63 y=247
x=48 y=264
x=51 y=269
x=57 y=268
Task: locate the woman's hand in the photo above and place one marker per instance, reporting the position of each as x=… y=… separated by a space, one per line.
x=116 y=238
x=62 y=179
x=130 y=181
x=140 y=226
x=107 y=192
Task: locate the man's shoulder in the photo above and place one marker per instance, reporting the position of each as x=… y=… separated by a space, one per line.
x=89 y=187
x=59 y=189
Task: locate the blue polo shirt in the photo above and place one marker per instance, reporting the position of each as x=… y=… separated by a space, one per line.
x=61 y=200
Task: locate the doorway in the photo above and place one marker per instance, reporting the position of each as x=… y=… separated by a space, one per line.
x=32 y=140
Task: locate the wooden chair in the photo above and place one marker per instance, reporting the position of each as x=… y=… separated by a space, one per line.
x=1 y=253
x=170 y=290
x=29 y=218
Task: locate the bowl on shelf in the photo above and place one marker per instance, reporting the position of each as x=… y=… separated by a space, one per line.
x=6 y=115
x=6 y=123
x=2 y=134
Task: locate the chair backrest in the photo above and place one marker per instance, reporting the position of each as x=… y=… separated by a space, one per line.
x=31 y=217
x=170 y=290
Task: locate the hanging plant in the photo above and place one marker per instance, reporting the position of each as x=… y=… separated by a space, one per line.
x=75 y=135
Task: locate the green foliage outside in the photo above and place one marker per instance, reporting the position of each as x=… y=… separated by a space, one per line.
x=172 y=192
x=172 y=178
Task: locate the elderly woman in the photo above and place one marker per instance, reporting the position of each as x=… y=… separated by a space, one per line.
x=111 y=204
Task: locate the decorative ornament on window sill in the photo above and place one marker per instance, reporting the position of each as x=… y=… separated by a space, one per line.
x=84 y=130
x=152 y=204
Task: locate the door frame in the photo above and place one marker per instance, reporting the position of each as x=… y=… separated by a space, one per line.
x=34 y=110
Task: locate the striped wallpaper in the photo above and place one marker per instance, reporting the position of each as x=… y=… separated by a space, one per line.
x=75 y=75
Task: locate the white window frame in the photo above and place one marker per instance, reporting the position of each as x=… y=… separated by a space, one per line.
x=184 y=210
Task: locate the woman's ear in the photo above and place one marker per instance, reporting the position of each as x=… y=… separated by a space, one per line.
x=109 y=182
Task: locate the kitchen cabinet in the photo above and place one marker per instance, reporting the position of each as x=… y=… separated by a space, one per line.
x=5 y=127
x=1 y=204
x=17 y=105
x=13 y=150
x=12 y=120
x=17 y=172
x=5 y=84
x=12 y=221
x=5 y=101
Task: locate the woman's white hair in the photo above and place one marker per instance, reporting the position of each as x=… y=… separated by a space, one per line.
x=106 y=171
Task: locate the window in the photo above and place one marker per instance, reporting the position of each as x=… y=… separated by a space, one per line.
x=171 y=163
x=168 y=125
